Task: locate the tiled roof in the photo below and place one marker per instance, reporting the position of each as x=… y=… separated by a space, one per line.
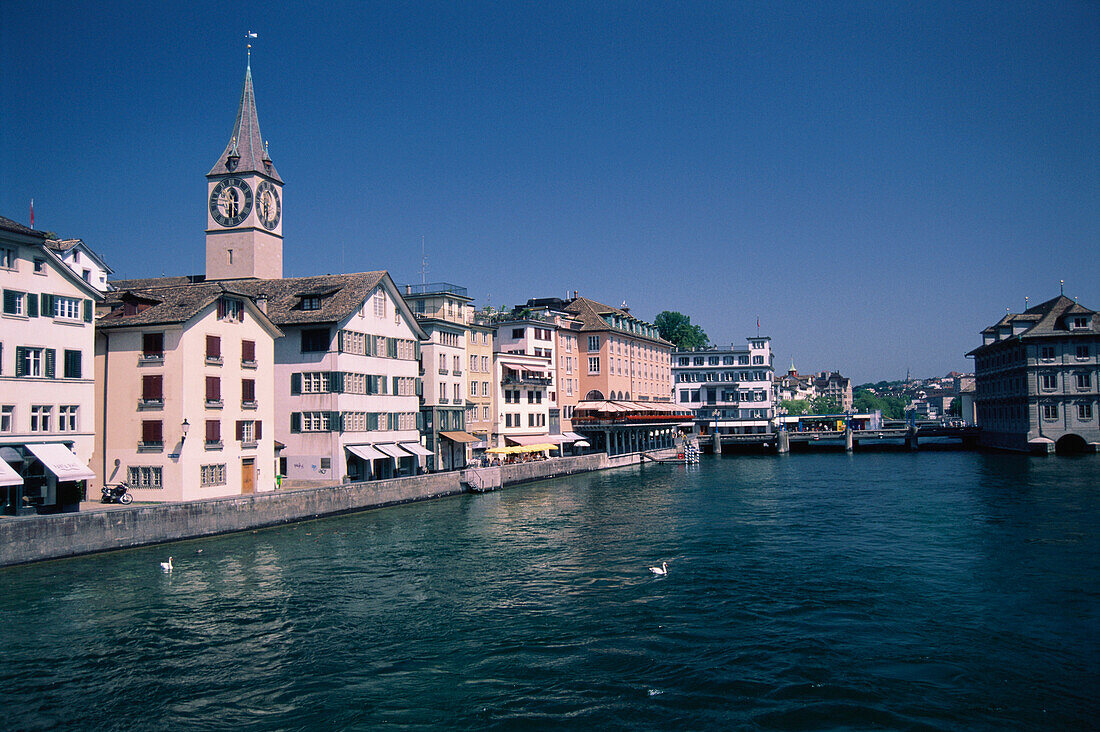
x=340 y=294
x=61 y=246
x=590 y=313
x=15 y=227
x=246 y=140
x=165 y=305
x=1042 y=320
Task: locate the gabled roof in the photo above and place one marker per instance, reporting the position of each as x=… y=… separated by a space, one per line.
x=591 y=313
x=63 y=246
x=246 y=142
x=169 y=305
x=1042 y=320
x=15 y=227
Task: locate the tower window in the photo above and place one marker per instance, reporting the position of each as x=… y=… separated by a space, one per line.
x=229 y=253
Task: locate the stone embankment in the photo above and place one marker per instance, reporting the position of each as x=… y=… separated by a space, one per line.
x=37 y=538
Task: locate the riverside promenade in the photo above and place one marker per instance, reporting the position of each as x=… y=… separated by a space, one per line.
x=29 y=539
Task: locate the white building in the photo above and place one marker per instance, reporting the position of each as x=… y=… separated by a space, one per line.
x=731 y=388
x=82 y=260
x=47 y=390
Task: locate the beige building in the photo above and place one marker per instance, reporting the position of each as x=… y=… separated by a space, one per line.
x=185 y=385
x=479 y=390
x=47 y=392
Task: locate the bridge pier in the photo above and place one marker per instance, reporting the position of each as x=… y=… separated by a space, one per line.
x=783 y=444
x=849 y=442
x=717 y=442
x=911 y=441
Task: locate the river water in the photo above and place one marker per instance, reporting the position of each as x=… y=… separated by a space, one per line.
x=949 y=590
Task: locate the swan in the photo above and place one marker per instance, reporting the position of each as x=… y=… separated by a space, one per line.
x=167 y=566
x=660 y=571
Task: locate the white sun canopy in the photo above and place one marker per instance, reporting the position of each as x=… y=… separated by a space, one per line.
x=60 y=461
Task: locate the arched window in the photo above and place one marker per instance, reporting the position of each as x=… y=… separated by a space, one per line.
x=595 y=394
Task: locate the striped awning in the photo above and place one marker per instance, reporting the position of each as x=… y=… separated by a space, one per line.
x=366 y=452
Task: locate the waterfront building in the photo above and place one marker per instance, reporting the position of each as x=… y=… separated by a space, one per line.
x=729 y=389
x=793 y=387
x=1036 y=376
x=47 y=389
x=622 y=357
x=526 y=411
x=440 y=310
x=82 y=260
x=480 y=388
x=567 y=392
x=831 y=384
x=185 y=383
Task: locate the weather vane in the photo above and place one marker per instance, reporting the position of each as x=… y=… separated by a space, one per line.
x=249 y=36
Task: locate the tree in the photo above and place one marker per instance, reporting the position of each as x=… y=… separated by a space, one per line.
x=795 y=407
x=677 y=329
x=825 y=405
x=891 y=407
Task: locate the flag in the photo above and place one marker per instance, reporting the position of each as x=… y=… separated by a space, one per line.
x=758 y=322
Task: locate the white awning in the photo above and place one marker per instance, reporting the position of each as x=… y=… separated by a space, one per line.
x=60 y=461
x=572 y=436
x=534 y=439
x=415 y=448
x=366 y=452
x=8 y=476
x=581 y=443
x=393 y=451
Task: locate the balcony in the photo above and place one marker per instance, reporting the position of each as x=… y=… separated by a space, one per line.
x=157 y=446
x=248 y=364
x=148 y=405
x=249 y=405
x=213 y=445
x=527 y=381
x=213 y=360
x=443 y=372
x=151 y=359
x=214 y=404
x=433 y=288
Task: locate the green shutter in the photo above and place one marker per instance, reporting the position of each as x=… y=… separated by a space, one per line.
x=336 y=382
x=340 y=342
x=383 y=378
x=46 y=308
x=89 y=309
x=295 y=386
x=32 y=306
x=416 y=350
x=50 y=359
x=391 y=347
x=20 y=361
x=336 y=421
x=296 y=421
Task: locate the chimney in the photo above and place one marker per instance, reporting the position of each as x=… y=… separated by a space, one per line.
x=574 y=294
x=261 y=303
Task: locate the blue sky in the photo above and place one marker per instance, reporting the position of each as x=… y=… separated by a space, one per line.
x=877 y=181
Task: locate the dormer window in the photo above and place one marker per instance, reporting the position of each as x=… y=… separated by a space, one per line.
x=311 y=302
x=1080 y=321
x=230 y=309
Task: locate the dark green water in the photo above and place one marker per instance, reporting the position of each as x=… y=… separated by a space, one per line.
x=934 y=590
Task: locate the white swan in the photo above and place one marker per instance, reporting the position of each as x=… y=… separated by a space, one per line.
x=167 y=566
x=660 y=571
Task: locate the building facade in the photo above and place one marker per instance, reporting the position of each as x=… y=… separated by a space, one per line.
x=732 y=389
x=480 y=390
x=47 y=388
x=185 y=383
x=82 y=260
x=1036 y=376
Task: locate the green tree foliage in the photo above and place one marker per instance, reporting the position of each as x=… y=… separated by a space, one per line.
x=795 y=407
x=825 y=405
x=891 y=407
x=956 y=408
x=677 y=328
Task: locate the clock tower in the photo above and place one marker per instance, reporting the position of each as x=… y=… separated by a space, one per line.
x=244 y=205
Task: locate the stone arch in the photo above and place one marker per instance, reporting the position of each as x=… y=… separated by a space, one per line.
x=594 y=394
x=1070 y=445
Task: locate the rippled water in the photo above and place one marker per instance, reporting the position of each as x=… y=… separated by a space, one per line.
x=929 y=590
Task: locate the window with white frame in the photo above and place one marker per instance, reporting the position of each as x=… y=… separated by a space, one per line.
x=485 y=413
x=1048 y=381
x=211 y=475
x=473 y=388
x=7 y=417
x=1050 y=411
x=13 y=302
x=1084 y=381
x=40 y=417
x=144 y=476
x=593 y=364
x=593 y=343
x=66 y=418
x=66 y=307
x=380 y=304
x=7 y=258
x=1082 y=351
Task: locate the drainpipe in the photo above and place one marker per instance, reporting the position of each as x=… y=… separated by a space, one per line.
x=103 y=416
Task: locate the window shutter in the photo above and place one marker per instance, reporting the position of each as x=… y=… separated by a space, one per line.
x=259 y=431
x=248 y=350
x=295 y=421
x=221 y=308
x=32 y=306
x=20 y=361
x=213 y=388
x=336 y=421
x=391 y=347
x=152 y=387
x=341 y=339
x=46 y=306
x=151 y=431
x=240 y=429
x=336 y=382
x=248 y=390
x=416 y=349
x=89 y=309
x=295 y=383
x=213 y=346
x=50 y=362
x=213 y=430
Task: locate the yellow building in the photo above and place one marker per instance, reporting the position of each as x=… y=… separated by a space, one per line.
x=479 y=390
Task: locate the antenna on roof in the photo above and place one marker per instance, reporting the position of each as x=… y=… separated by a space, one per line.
x=423 y=263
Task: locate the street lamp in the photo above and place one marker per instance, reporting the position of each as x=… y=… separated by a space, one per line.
x=185 y=426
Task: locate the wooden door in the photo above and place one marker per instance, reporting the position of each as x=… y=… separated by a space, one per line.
x=248 y=475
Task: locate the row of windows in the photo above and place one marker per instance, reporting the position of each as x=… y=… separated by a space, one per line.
x=352 y=421
x=30 y=305
x=991 y=412
x=33 y=362
x=475 y=360
x=514 y=396
x=622 y=347
x=471 y=414
x=484 y=388
x=699 y=376
x=693 y=395
x=212 y=475
x=533 y=420
x=248 y=432
x=360 y=344
x=41 y=418
x=344 y=382
x=152 y=349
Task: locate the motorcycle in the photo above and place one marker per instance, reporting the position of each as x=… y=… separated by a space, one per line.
x=117 y=494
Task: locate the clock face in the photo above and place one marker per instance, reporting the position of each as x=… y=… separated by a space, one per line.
x=230 y=201
x=268 y=205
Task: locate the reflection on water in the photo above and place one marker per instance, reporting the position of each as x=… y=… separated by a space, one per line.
x=877 y=590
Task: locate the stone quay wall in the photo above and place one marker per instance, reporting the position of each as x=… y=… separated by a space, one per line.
x=28 y=539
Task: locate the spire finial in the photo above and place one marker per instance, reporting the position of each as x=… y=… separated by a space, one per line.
x=1025 y=302
x=1062 y=286
x=250 y=34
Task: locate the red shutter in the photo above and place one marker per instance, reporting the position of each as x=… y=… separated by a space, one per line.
x=213 y=347
x=213 y=430
x=259 y=431
x=152 y=387
x=213 y=389
x=248 y=350
x=240 y=429
x=248 y=390
x=151 y=431
x=221 y=309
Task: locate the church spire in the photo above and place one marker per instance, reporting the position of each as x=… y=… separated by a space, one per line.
x=246 y=151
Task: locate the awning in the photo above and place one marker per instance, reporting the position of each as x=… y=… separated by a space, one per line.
x=393 y=451
x=581 y=443
x=415 y=448
x=366 y=452
x=60 y=461
x=8 y=476
x=572 y=436
x=460 y=436
x=533 y=439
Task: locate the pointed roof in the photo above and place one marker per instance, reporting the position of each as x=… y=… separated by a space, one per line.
x=1045 y=319
x=246 y=143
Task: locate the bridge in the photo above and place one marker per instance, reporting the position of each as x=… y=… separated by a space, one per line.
x=781 y=441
